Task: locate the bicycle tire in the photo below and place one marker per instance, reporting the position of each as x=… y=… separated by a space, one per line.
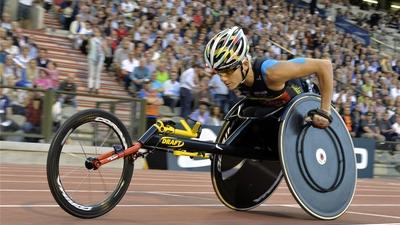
x=55 y=183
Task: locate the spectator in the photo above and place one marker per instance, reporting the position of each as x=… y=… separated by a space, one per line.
x=153 y=100
x=83 y=39
x=202 y=92
x=138 y=76
x=96 y=58
x=385 y=64
x=42 y=59
x=120 y=55
x=396 y=67
x=4 y=104
x=216 y=117
x=396 y=128
x=128 y=65
x=33 y=118
x=68 y=84
x=28 y=75
x=396 y=114
x=47 y=5
x=6 y=124
x=108 y=53
x=122 y=30
x=188 y=82
x=22 y=59
x=347 y=118
x=162 y=73
x=10 y=48
x=386 y=127
x=76 y=29
x=219 y=93
x=127 y=8
x=370 y=128
x=202 y=114
x=3 y=52
x=66 y=14
x=171 y=90
x=9 y=72
x=6 y=22
x=52 y=74
x=155 y=84
x=44 y=81
x=19 y=101
x=394 y=90
x=24 y=9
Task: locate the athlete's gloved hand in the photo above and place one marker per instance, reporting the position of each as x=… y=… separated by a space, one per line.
x=319 y=118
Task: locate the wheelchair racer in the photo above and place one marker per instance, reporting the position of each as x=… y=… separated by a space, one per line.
x=267 y=79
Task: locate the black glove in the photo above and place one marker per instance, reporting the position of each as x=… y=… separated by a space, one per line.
x=320 y=112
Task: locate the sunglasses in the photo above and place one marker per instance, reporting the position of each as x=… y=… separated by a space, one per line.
x=228 y=70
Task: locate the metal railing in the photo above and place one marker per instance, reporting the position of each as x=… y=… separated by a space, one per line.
x=136 y=122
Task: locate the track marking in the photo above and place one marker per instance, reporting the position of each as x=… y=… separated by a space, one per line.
x=111 y=178
x=372 y=214
x=219 y=205
x=374 y=224
x=133 y=184
x=360 y=213
x=168 y=192
x=141 y=205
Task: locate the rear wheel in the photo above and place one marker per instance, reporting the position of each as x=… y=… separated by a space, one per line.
x=83 y=192
x=243 y=184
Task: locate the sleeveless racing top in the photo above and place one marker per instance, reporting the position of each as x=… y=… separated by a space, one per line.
x=267 y=97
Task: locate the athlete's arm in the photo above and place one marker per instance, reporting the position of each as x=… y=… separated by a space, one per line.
x=278 y=72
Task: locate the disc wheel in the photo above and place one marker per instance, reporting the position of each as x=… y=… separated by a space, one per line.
x=242 y=184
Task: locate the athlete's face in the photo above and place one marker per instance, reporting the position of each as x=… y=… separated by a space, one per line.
x=233 y=77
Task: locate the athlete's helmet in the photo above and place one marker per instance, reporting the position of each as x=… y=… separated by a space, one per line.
x=227 y=49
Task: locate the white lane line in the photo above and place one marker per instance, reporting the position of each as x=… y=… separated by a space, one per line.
x=376 y=187
x=171 y=192
x=141 y=205
x=133 y=184
x=375 y=215
x=112 y=178
x=167 y=192
x=373 y=205
x=218 y=205
x=117 y=172
x=374 y=224
x=361 y=213
x=359 y=189
x=211 y=205
x=368 y=189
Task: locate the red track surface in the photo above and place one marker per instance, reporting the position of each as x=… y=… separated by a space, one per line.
x=187 y=198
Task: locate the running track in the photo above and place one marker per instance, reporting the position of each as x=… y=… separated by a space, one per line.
x=183 y=198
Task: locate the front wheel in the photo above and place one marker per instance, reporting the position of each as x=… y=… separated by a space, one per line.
x=83 y=192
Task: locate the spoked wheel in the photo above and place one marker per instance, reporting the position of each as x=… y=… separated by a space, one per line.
x=78 y=189
x=242 y=184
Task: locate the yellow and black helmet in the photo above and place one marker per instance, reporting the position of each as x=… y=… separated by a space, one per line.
x=227 y=49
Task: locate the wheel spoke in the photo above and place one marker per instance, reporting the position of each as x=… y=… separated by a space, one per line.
x=84 y=192
x=103 y=182
x=107 y=136
x=94 y=137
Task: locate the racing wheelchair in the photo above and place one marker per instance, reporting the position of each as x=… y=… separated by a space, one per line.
x=255 y=148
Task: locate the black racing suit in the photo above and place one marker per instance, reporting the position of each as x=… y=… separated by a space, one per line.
x=264 y=96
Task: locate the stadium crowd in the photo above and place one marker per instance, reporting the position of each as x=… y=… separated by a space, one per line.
x=154 y=49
